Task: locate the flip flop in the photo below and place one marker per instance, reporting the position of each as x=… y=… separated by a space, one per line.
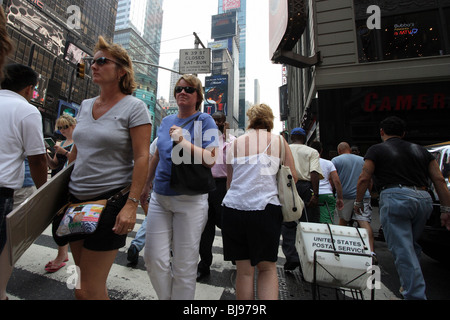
x=51 y=270
x=50 y=263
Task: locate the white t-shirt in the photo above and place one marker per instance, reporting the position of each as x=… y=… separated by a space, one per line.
x=21 y=134
x=324 y=184
x=105 y=158
x=153 y=147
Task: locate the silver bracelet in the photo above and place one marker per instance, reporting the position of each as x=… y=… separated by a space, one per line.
x=445 y=209
x=133 y=199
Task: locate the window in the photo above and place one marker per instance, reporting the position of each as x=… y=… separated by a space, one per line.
x=412 y=34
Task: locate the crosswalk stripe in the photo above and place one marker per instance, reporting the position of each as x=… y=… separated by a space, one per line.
x=123 y=282
x=132 y=283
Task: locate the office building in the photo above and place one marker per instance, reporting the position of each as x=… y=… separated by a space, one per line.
x=240 y=7
x=53 y=41
x=257 y=92
x=138 y=30
x=173 y=107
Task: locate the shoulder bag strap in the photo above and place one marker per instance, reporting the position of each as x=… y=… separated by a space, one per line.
x=283 y=152
x=120 y=194
x=193 y=119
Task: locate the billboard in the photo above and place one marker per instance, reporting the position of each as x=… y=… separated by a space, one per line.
x=278 y=22
x=222 y=44
x=39 y=90
x=69 y=108
x=231 y=4
x=216 y=94
x=27 y=19
x=224 y=25
x=74 y=54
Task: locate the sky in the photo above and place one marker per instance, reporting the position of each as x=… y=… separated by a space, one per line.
x=182 y=19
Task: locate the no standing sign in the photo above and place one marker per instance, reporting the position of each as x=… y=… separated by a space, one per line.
x=195 y=61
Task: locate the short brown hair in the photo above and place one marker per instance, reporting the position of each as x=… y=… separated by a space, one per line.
x=260 y=116
x=6 y=45
x=194 y=82
x=127 y=83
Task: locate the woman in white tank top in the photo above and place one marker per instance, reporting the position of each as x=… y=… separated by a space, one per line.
x=252 y=215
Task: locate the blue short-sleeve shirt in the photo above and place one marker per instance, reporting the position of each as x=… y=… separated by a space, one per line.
x=203 y=132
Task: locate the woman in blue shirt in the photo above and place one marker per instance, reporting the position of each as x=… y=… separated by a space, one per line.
x=175 y=222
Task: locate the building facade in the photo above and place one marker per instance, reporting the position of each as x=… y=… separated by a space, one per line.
x=52 y=37
x=376 y=58
x=240 y=7
x=222 y=87
x=174 y=77
x=138 y=29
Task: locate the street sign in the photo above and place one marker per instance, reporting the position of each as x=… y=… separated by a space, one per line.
x=195 y=61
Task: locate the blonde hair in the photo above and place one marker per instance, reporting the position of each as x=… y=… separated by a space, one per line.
x=260 y=116
x=127 y=83
x=65 y=120
x=194 y=82
x=6 y=45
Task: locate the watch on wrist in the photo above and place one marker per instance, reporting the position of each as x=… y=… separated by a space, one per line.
x=359 y=204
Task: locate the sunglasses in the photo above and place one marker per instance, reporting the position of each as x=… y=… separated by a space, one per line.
x=65 y=128
x=102 y=61
x=189 y=90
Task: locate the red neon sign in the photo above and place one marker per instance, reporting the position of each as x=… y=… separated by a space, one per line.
x=373 y=102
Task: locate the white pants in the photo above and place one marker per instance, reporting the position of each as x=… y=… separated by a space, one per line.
x=174 y=228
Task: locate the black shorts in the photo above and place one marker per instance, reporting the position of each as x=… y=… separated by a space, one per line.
x=104 y=238
x=251 y=235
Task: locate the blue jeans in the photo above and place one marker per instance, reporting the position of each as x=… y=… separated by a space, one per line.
x=403 y=214
x=6 y=206
x=139 y=240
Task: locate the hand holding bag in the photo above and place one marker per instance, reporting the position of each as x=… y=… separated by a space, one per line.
x=292 y=204
x=83 y=218
x=191 y=178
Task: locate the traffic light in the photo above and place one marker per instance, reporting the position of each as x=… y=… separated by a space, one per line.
x=81 y=70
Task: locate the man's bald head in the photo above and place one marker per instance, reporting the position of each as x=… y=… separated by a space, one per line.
x=344 y=147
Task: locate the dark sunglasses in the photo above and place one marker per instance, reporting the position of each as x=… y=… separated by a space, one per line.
x=102 y=61
x=189 y=90
x=65 y=128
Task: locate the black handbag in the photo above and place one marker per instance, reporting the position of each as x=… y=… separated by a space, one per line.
x=191 y=178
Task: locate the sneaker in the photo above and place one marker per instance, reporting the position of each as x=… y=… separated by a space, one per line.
x=133 y=254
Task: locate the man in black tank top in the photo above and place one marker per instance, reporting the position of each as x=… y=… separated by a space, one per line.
x=402 y=171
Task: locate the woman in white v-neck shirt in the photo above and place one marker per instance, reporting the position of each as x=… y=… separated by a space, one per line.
x=111 y=143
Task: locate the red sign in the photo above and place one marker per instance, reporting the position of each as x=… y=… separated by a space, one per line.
x=373 y=102
x=37 y=3
x=231 y=4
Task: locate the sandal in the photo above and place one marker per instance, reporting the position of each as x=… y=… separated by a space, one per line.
x=50 y=262
x=54 y=269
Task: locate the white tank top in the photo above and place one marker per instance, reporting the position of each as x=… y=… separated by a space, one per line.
x=254 y=183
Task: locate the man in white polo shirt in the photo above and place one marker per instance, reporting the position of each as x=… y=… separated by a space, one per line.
x=22 y=136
